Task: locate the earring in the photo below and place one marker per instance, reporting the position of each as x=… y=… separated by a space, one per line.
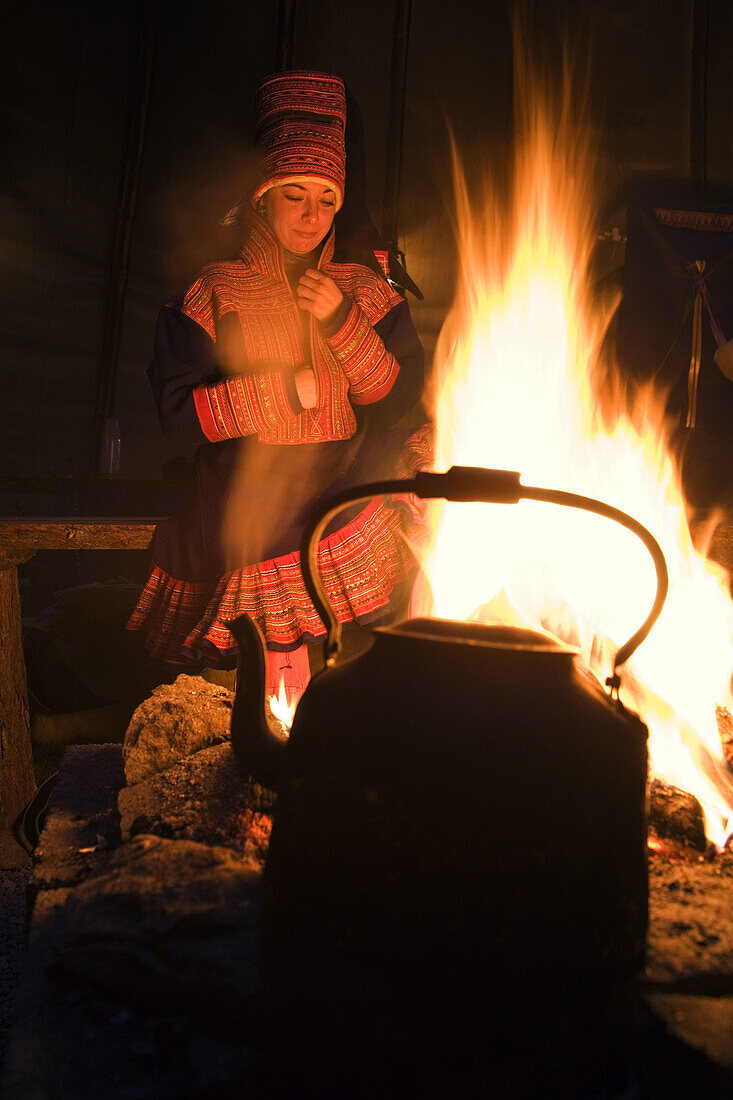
x=261 y=209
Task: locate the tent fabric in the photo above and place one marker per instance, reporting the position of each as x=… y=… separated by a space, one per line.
x=65 y=99
x=677 y=297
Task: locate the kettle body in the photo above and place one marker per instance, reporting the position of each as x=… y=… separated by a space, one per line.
x=459 y=840
x=461 y=812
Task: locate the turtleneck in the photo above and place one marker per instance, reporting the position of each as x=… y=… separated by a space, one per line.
x=296 y=264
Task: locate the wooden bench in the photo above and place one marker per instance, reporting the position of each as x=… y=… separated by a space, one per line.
x=20 y=539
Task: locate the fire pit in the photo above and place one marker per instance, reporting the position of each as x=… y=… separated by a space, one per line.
x=110 y=1009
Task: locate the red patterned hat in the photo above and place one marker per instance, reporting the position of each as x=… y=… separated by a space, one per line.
x=301 y=121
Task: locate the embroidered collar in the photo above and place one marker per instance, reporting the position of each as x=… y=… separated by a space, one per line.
x=263 y=251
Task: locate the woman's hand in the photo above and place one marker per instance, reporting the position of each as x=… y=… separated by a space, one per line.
x=319 y=295
x=305 y=384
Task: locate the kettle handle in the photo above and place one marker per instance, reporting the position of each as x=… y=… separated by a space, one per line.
x=476 y=484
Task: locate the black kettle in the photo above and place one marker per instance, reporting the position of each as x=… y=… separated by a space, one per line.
x=460 y=815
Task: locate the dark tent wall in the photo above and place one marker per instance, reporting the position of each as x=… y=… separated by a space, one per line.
x=67 y=100
x=70 y=91
x=63 y=76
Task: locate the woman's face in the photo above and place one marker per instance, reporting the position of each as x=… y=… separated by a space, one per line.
x=300 y=214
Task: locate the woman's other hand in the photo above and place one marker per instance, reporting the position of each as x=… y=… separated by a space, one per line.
x=319 y=295
x=305 y=384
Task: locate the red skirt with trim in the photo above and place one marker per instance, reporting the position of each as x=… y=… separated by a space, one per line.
x=360 y=565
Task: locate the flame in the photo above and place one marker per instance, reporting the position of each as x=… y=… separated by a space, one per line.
x=523 y=383
x=283 y=705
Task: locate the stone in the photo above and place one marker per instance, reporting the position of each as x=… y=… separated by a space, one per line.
x=165 y=922
x=178 y=719
x=202 y=798
x=87 y=1029
x=75 y=1035
x=706 y=1023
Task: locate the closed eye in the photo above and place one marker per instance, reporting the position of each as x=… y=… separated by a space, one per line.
x=328 y=201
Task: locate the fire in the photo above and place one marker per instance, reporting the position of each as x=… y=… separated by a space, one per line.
x=523 y=384
x=283 y=705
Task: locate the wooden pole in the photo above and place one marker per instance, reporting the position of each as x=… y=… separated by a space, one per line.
x=699 y=98
x=396 y=123
x=285 y=44
x=139 y=99
x=17 y=782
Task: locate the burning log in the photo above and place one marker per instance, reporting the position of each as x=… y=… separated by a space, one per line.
x=676 y=815
x=725 y=729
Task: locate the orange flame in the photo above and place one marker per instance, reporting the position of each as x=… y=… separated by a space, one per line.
x=522 y=385
x=282 y=705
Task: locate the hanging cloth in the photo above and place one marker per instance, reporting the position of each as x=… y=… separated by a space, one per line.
x=675 y=325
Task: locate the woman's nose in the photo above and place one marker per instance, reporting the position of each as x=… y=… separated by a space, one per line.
x=309 y=211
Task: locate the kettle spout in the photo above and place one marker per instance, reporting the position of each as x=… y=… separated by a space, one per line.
x=260 y=752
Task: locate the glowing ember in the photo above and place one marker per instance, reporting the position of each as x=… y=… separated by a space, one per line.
x=283 y=705
x=522 y=386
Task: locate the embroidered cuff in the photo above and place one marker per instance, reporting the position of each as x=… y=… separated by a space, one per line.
x=369 y=367
x=246 y=405
x=339 y=320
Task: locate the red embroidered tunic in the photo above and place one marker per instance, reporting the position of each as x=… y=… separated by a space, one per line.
x=223 y=377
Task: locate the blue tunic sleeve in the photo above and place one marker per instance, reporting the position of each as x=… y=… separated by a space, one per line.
x=399 y=336
x=185 y=357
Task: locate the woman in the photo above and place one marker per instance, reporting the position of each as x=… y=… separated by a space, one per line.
x=297 y=374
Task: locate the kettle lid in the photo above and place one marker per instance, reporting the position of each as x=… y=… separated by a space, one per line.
x=491 y=635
